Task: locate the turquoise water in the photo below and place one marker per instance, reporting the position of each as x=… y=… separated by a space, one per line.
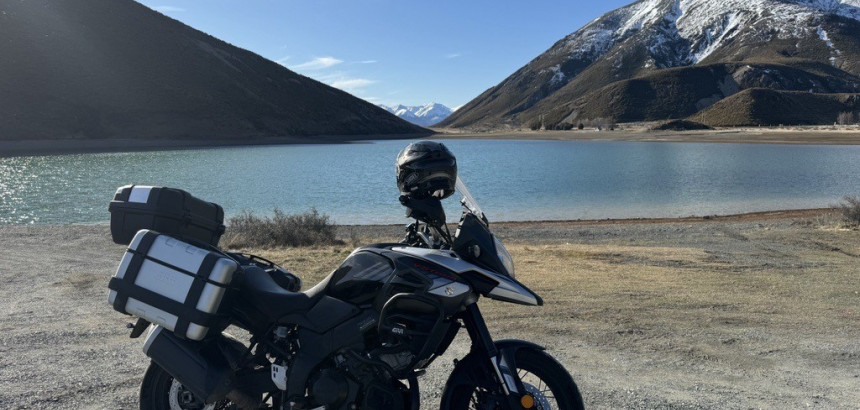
x=513 y=180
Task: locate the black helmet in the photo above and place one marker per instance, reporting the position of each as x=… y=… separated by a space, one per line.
x=425 y=167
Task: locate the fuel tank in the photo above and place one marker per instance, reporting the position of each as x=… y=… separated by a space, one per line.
x=374 y=274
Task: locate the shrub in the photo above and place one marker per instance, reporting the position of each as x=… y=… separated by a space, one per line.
x=601 y=123
x=850 y=208
x=279 y=230
x=846 y=118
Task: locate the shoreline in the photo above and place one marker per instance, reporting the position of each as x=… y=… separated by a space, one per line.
x=776 y=136
x=739 y=217
x=795 y=136
x=20 y=148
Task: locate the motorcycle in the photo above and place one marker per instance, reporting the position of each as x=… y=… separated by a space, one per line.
x=361 y=337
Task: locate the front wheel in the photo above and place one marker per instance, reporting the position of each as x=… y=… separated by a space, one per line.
x=160 y=391
x=548 y=384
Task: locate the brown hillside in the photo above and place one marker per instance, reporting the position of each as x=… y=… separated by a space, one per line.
x=115 y=69
x=771 y=107
x=680 y=92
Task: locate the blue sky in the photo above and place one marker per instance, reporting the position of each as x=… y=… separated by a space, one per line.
x=393 y=52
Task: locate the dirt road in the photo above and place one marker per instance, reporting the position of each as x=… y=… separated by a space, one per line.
x=737 y=313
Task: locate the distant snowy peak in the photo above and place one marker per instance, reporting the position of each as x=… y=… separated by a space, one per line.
x=423 y=115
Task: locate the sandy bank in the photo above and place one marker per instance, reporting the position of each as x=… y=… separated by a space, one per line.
x=797 y=135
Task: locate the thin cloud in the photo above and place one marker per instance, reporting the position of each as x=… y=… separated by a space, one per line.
x=342 y=80
x=453 y=55
x=283 y=61
x=318 y=63
x=168 y=9
x=348 y=84
x=368 y=62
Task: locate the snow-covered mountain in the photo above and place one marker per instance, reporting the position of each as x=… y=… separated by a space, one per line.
x=423 y=115
x=799 y=45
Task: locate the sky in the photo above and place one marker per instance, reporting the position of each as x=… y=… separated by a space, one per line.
x=393 y=52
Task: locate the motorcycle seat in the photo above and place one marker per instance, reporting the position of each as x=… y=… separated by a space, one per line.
x=261 y=290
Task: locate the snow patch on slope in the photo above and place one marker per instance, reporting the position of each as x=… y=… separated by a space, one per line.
x=834 y=52
x=705 y=25
x=557 y=76
x=716 y=35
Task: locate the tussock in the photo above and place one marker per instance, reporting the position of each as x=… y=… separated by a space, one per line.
x=850 y=208
x=279 y=230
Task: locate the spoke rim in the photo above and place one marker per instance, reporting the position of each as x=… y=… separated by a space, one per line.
x=535 y=386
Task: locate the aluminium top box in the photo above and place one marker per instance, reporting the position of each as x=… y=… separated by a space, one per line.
x=173 y=284
x=166 y=210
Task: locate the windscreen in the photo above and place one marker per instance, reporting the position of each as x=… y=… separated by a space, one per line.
x=468 y=200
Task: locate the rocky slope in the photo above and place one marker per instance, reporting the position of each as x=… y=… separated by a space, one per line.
x=660 y=59
x=104 y=69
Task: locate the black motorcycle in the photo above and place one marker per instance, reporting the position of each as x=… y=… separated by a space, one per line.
x=361 y=338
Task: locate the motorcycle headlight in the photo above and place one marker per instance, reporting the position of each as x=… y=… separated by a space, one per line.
x=504 y=257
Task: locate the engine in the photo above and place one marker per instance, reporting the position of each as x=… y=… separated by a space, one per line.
x=351 y=381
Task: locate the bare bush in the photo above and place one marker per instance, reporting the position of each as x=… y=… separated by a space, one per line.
x=600 y=123
x=850 y=208
x=846 y=118
x=279 y=230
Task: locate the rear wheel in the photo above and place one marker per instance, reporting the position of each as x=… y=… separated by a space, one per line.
x=548 y=386
x=160 y=391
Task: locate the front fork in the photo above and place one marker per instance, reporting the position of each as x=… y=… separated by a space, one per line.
x=502 y=363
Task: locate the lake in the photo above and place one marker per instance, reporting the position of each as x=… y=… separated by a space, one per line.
x=512 y=179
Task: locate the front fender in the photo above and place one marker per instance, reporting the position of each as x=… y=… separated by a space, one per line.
x=474 y=371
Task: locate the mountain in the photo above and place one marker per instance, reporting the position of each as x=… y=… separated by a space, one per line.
x=105 y=69
x=423 y=115
x=663 y=59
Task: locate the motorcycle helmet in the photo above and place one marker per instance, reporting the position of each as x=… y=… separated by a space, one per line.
x=426 y=169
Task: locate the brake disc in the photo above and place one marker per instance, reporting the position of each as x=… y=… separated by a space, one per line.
x=181 y=398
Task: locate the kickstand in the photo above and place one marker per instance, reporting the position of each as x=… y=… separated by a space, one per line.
x=138 y=328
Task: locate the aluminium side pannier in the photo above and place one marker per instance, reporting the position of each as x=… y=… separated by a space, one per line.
x=169 y=211
x=173 y=284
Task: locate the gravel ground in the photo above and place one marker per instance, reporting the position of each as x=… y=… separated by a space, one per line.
x=628 y=341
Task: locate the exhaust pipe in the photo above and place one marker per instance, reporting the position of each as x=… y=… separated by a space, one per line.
x=200 y=367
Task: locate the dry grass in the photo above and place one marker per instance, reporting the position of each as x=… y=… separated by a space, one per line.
x=306 y=229
x=644 y=285
x=678 y=323
x=657 y=293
